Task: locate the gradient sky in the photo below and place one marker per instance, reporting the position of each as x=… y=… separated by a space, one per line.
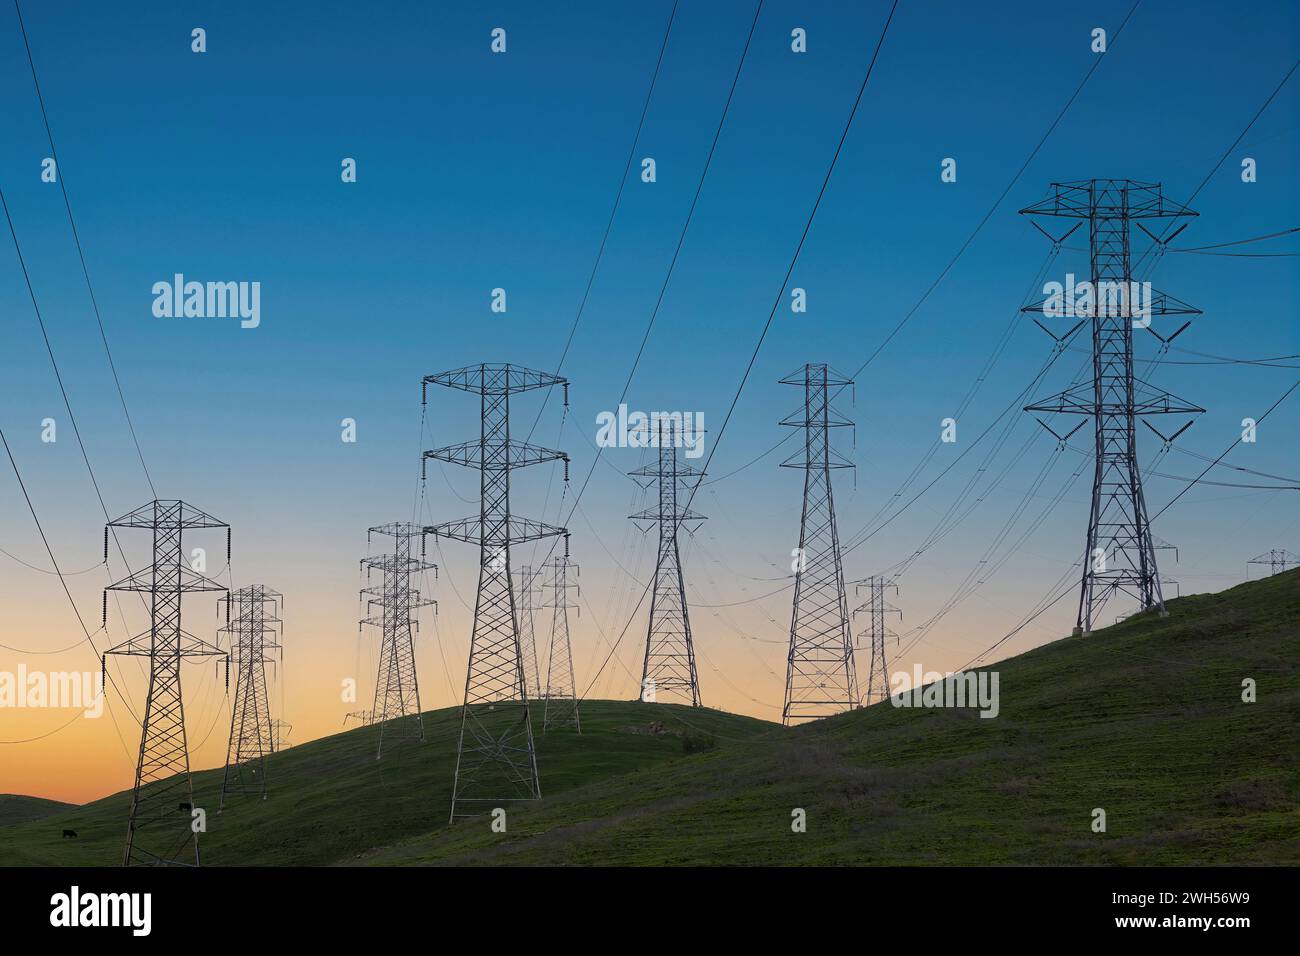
x=479 y=171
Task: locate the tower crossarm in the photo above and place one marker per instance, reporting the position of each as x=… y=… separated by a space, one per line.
x=679 y=469
x=144 y=645
x=1087 y=198
x=1146 y=400
x=515 y=530
x=496 y=455
x=494 y=378
x=146 y=579
x=174 y=513
x=1160 y=304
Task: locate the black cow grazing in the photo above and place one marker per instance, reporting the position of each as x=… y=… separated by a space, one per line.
x=69 y=833
x=184 y=806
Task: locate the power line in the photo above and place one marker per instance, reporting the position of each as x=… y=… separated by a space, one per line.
x=618 y=199
x=81 y=254
x=1226 y=451
x=789 y=271
x=1001 y=196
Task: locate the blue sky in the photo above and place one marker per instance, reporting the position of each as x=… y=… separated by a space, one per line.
x=478 y=171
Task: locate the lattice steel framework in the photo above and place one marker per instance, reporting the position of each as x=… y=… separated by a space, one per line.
x=254 y=625
x=159 y=828
x=669 y=664
x=279 y=730
x=820 y=678
x=875 y=609
x=496 y=760
x=561 y=698
x=1277 y=559
x=393 y=607
x=1119 y=556
x=528 y=603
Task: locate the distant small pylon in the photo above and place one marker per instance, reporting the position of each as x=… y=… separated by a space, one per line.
x=1277 y=560
x=253 y=623
x=526 y=600
x=392 y=607
x=561 y=709
x=875 y=608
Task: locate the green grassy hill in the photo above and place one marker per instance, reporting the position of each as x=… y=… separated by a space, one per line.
x=1144 y=719
x=15 y=808
x=330 y=800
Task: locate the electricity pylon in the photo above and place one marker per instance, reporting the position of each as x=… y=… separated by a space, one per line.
x=253 y=623
x=819 y=677
x=1277 y=560
x=279 y=730
x=496 y=760
x=393 y=607
x=669 y=664
x=561 y=698
x=527 y=602
x=1119 y=556
x=875 y=608
x=159 y=829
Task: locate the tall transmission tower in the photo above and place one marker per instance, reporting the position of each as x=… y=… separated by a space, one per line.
x=393 y=607
x=253 y=623
x=159 y=829
x=561 y=707
x=819 y=678
x=669 y=665
x=1277 y=560
x=1120 y=556
x=496 y=760
x=875 y=608
x=527 y=600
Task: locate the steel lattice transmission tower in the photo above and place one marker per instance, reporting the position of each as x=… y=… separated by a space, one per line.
x=496 y=760
x=819 y=678
x=527 y=601
x=561 y=706
x=159 y=830
x=875 y=608
x=669 y=665
x=393 y=607
x=253 y=623
x=1120 y=554
x=1277 y=560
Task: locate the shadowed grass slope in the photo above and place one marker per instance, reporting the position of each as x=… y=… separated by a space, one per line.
x=1144 y=719
x=15 y=808
x=330 y=799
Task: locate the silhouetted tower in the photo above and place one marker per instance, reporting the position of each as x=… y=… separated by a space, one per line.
x=527 y=603
x=819 y=677
x=159 y=831
x=495 y=760
x=1277 y=560
x=253 y=623
x=561 y=708
x=393 y=607
x=1119 y=556
x=279 y=730
x=875 y=608
x=669 y=665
